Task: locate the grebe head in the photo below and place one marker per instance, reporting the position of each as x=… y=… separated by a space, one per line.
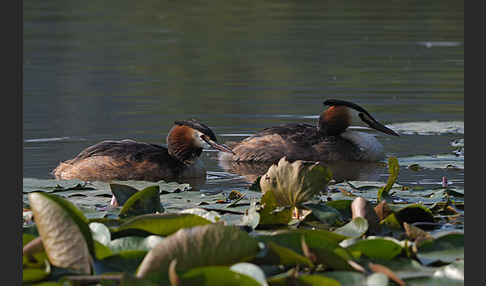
x=187 y=138
x=334 y=120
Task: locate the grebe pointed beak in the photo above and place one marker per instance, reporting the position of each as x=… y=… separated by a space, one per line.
x=217 y=146
x=377 y=125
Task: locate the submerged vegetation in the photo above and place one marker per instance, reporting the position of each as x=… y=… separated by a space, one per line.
x=293 y=226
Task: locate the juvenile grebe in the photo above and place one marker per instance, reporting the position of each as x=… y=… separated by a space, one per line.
x=328 y=141
x=131 y=160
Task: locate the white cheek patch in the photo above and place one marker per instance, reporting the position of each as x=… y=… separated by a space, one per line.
x=371 y=148
x=199 y=142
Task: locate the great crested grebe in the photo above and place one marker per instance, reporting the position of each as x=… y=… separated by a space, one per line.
x=329 y=141
x=132 y=160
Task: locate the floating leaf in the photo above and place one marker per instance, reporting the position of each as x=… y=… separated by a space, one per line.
x=343 y=206
x=30 y=275
x=313 y=238
x=393 y=170
x=125 y=261
x=213 y=244
x=134 y=243
x=391 y=221
x=216 y=275
x=347 y=278
x=64 y=231
x=143 y=202
x=303 y=280
x=159 y=224
x=269 y=214
x=446 y=248
x=414 y=213
x=212 y=216
x=252 y=270
x=281 y=255
x=317 y=280
x=355 y=228
x=325 y=214
x=377 y=279
x=295 y=183
x=376 y=248
x=100 y=232
x=122 y=192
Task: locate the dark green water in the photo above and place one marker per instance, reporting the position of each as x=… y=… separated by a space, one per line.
x=125 y=69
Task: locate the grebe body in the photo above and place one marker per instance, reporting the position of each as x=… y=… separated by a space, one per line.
x=131 y=160
x=328 y=141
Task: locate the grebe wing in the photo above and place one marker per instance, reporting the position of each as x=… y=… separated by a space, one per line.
x=302 y=134
x=125 y=149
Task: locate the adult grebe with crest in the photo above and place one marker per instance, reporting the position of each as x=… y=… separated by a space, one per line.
x=329 y=141
x=131 y=160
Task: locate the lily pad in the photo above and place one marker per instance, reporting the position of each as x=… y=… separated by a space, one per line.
x=142 y=202
x=376 y=248
x=125 y=261
x=134 y=243
x=414 y=213
x=269 y=215
x=217 y=275
x=293 y=239
x=281 y=255
x=325 y=214
x=159 y=224
x=355 y=228
x=207 y=245
x=252 y=270
x=64 y=231
x=446 y=248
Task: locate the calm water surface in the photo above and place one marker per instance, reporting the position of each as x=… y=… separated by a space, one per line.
x=125 y=69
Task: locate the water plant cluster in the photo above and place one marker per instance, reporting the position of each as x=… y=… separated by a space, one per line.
x=293 y=226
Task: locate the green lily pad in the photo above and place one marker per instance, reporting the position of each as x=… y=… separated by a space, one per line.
x=216 y=275
x=207 y=245
x=252 y=270
x=293 y=238
x=63 y=227
x=355 y=228
x=446 y=248
x=30 y=275
x=101 y=250
x=100 y=232
x=269 y=215
x=304 y=280
x=142 y=202
x=347 y=278
x=281 y=255
x=134 y=243
x=376 y=248
x=343 y=206
x=325 y=214
x=159 y=224
x=125 y=261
